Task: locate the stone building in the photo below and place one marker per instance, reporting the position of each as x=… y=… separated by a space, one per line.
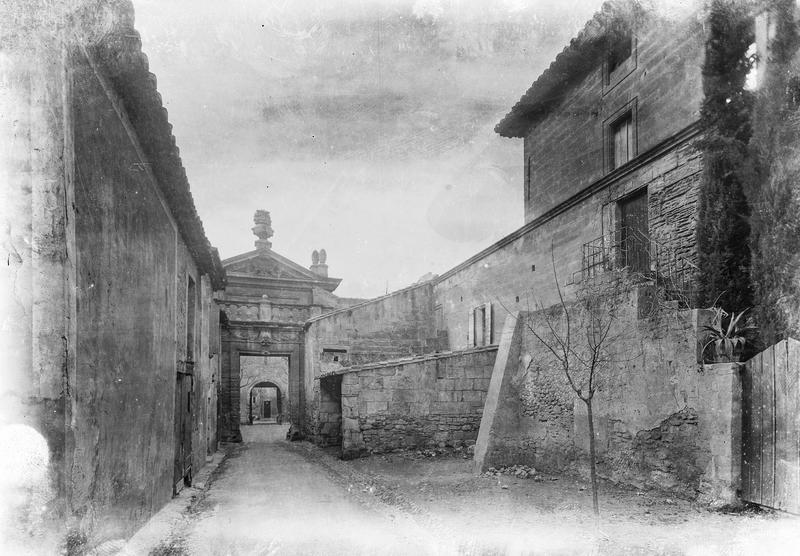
x=612 y=173
x=266 y=301
x=111 y=336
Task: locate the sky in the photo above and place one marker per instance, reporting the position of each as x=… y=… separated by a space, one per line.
x=365 y=127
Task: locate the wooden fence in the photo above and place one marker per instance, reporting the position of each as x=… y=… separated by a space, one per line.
x=771 y=427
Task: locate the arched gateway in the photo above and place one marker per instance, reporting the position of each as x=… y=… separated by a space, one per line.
x=267 y=300
x=265 y=403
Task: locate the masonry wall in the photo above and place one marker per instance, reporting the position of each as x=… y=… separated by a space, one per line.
x=516 y=274
x=662 y=420
x=396 y=325
x=435 y=400
x=567 y=149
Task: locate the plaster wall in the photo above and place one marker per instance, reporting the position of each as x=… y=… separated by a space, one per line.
x=35 y=277
x=132 y=271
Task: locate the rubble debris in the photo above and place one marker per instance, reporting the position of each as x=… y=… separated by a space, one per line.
x=517 y=471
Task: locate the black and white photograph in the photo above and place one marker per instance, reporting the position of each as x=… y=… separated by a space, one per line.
x=399 y=277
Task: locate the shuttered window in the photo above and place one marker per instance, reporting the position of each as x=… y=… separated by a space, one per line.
x=480 y=326
x=621 y=145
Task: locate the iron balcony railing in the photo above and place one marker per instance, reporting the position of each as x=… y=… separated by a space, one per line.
x=643 y=259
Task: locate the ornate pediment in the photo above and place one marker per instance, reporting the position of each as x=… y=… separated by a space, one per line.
x=265 y=266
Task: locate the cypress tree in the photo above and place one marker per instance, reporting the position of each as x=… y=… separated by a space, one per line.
x=723 y=228
x=774 y=193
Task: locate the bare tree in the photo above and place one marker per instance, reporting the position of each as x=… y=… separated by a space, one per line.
x=583 y=339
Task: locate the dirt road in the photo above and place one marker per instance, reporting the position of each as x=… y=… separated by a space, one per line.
x=270 y=497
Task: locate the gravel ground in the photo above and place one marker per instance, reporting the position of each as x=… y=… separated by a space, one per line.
x=547 y=514
x=274 y=497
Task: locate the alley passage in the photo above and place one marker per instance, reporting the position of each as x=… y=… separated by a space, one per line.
x=269 y=497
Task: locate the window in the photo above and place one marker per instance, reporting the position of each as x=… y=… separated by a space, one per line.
x=480 y=326
x=333 y=355
x=620 y=136
x=621 y=141
x=620 y=60
x=618 y=54
x=191 y=307
x=528 y=173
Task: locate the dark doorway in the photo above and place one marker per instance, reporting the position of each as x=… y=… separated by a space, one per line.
x=330 y=411
x=265 y=403
x=634 y=233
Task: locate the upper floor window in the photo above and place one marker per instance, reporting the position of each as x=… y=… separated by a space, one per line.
x=621 y=140
x=528 y=173
x=618 y=53
x=620 y=136
x=620 y=61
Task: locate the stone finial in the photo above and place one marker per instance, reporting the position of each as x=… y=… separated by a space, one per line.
x=318 y=265
x=263 y=229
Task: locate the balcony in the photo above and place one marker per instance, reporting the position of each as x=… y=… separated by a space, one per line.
x=642 y=260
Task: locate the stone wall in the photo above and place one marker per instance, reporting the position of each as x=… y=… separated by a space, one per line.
x=516 y=273
x=661 y=419
x=435 y=400
x=566 y=150
x=396 y=325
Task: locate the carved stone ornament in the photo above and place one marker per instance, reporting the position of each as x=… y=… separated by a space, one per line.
x=263 y=229
x=265 y=337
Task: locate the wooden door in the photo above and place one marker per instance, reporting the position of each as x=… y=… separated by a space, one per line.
x=771 y=427
x=182 y=474
x=634 y=233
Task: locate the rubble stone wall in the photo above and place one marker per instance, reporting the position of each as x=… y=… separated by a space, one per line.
x=435 y=400
x=662 y=420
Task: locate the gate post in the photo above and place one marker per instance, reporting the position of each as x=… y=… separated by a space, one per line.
x=721 y=418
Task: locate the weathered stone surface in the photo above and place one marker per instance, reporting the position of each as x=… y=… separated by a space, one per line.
x=436 y=411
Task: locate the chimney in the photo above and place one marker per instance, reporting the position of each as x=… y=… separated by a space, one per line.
x=262 y=230
x=318 y=265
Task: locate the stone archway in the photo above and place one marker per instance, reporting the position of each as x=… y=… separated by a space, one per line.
x=265 y=403
x=264 y=371
x=241 y=340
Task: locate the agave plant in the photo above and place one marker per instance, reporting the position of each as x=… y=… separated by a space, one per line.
x=728 y=340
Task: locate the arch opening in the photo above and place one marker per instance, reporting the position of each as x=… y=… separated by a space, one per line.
x=265 y=403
